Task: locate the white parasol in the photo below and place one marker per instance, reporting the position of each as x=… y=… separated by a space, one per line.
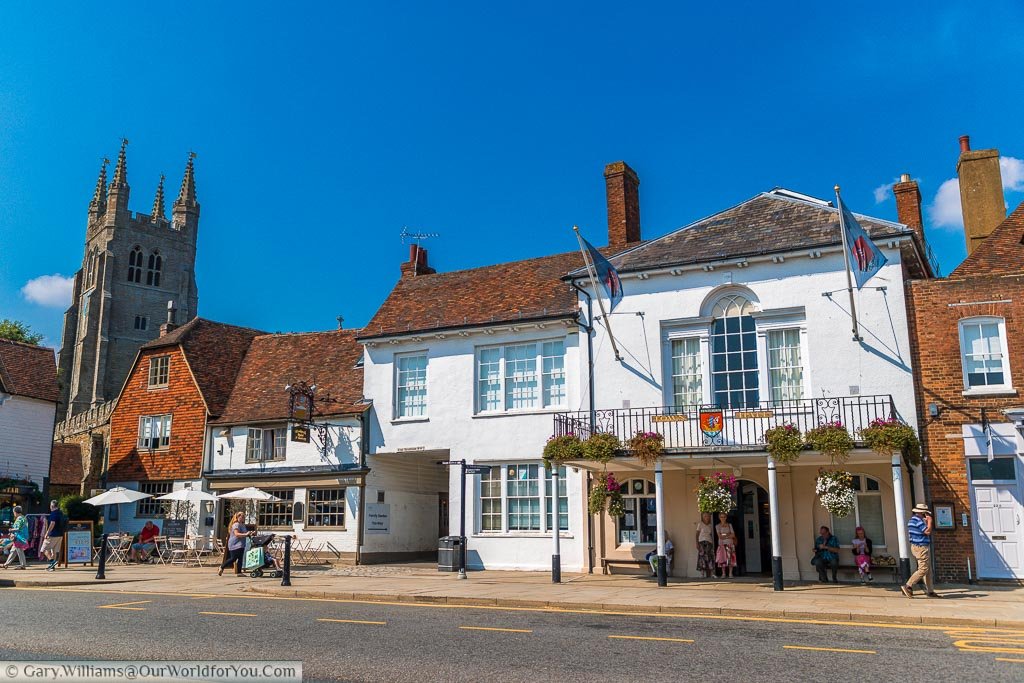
x=251 y=494
x=116 y=496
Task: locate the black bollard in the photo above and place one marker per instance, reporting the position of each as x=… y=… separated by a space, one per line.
x=662 y=570
x=286 y=575
x=102 y=569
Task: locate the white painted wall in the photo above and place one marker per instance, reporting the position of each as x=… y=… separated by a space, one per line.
x=228 y=449
x=26 y=438
x=451 y=425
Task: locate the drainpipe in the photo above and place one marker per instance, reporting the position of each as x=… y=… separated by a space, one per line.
x=589 y=329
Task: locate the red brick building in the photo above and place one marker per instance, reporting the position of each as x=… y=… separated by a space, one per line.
x=177 y=383
x=968 y=337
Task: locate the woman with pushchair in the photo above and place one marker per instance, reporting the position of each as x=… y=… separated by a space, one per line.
x=237 y=533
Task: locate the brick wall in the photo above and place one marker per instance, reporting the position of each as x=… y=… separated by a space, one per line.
x=182 y=400
x=936 y=357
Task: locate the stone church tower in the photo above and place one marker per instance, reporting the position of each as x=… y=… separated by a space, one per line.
x=134 y=266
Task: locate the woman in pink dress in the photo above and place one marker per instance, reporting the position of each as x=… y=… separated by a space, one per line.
x=862 y=553
x=726 y=555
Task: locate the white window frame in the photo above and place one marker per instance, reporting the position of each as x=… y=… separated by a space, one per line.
x=155 y=372
x=397 y=406
x=544 y=481
x=154 y=427
x=701 y=347
x=1000 y=323
x=542 y=399
x=635 y=497
x=845 y=543
x=781 y=330
x=272 y=440
x=151 y=507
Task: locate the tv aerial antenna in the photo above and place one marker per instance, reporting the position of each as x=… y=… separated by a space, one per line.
x=416 y=237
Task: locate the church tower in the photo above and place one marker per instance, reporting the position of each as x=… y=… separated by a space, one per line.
x=134 y=264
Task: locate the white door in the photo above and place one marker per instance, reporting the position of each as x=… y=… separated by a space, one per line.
x=998 y=538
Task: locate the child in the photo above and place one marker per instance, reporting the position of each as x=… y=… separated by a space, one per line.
x=862 y=553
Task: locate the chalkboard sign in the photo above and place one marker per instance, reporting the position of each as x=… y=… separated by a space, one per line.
x=78 y=543
x=174 y=528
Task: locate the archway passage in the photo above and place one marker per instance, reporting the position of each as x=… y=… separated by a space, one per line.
x=752 y=522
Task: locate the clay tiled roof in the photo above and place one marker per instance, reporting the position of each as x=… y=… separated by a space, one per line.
x=66 y=465
x=327 y=358
x=27 y=370
x=765 y=224
x=1001 y=253
x=507 y=292
x=214 y=352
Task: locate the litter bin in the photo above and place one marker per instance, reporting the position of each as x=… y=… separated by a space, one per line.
x=449 y=554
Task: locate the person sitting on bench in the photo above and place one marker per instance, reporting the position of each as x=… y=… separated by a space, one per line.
x=826 y=555
x=652 y=557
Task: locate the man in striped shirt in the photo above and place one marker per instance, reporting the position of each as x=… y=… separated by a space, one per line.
x=919 y=528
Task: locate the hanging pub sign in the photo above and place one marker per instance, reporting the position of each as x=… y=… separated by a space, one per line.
x=302 y=407
x=300 y=433
x=711 y=423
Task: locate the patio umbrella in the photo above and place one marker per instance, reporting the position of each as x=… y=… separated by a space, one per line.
x=251 y=494
x=116 y=496
x=188 y=496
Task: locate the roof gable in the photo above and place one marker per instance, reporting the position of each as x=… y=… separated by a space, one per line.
x=771 y=222
x=506 y=292
x=214 y=352
x=328 y=359
x=1001 y=253
x=27 y=370
x=66 y=465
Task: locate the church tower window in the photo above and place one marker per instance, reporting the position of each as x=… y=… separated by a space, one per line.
x=153 y=272
x=135 y=265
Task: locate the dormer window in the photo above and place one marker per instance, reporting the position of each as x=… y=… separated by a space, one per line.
x=135 y=265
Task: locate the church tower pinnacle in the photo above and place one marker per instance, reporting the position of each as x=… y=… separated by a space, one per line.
x=117 y=195
x=185 y=211
x=158 y=201
x=99 y=196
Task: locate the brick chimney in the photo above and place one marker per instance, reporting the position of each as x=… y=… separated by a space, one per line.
x=908 y=205
x=170 y=324
x=623 y=191
x=981 y=192
x=417 y=263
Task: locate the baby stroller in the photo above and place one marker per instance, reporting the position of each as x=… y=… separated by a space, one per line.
x=258 y=558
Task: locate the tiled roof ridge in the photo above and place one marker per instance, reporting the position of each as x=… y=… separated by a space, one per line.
x=1014 y=221
x=348 y=330
x=181 y=333
x=27 y=345
x=463 y=271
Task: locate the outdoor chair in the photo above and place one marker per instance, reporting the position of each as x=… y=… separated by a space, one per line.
x=163 y=550
x=179 y=552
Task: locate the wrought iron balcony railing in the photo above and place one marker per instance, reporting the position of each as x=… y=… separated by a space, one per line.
x=706 y=427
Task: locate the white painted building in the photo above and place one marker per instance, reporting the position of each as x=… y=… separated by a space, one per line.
x=28 y=402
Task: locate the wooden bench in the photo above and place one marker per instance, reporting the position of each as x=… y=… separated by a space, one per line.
x=606 y=563
x=878 y=569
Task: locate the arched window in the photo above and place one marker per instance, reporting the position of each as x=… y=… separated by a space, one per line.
x=867 y=512
x=90 y=268
x=734 y=380
x=637 y=524
x=135 y=265
x=153 y=269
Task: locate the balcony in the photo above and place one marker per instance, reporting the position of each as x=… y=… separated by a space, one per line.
x=706 y=428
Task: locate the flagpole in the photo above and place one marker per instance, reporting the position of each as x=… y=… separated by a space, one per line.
x=597 y=292
x=846 y=260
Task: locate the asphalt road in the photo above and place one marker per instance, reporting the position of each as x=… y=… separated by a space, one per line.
x=384 y=642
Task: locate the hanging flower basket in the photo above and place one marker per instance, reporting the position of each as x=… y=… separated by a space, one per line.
x=606 y=494
x=886 y=437
x=715 y=493
x=835 y=491
x=558 y=449
x=22 y=487
x=832 y=439
x=784 y=443
x=601 y=447
x=646 y=446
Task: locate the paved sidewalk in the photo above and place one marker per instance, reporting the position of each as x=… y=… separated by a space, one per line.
x=981 y=606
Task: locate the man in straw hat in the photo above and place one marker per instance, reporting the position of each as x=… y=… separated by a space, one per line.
x=919 y=529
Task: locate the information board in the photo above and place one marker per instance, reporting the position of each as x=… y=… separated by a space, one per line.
x=78 y=542
x=378 y=518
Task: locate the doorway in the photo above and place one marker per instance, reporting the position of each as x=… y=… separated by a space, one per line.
x=442 y=514
x=752 y=523
x=998 y=512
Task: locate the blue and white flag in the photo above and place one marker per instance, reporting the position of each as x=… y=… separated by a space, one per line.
x=864 y=257
x=607 y=276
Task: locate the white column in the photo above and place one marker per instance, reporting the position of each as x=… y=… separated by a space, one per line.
x=773 y=508
x=901 y=518
x=659 y=511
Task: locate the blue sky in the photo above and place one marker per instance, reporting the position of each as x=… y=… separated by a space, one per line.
x=323 y=129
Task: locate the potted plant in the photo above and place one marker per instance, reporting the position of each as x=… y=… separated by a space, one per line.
x=715 y=493
x=646 y=446
x=606 y=494
x=835 y=491
x=558 y=449
x=832 y=439
x=601 y=447
x=888 y=436
x=784 y=443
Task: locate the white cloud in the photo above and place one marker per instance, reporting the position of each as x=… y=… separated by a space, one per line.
x=1012 y=171
x=49 y=290
x=883 y=192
